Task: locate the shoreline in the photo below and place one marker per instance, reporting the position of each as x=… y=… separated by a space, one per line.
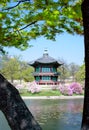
x=53 y=97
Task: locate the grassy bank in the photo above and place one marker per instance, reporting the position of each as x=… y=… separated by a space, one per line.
x=45 y=93
x=42 y=93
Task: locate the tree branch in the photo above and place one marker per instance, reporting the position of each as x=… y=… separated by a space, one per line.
x=27 y=25
x=19 y=2
x=46 y=2
x=12 y=6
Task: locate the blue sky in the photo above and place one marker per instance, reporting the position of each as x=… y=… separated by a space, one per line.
x=68 y=47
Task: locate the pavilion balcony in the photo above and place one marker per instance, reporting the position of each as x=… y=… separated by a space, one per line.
x=46 y=74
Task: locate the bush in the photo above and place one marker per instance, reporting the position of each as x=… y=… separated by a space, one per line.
x=33 y=87
x=20 y=87
x=76 y=88
x=71 y=89
x=66 y=90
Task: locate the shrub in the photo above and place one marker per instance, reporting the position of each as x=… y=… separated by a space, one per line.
x=20 y=87
x=33 y=87
x=66 y=90
x=76 y=88
x=72 y=88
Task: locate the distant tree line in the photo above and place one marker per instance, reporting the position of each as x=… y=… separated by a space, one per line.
x=13 y=68
x=77 y=72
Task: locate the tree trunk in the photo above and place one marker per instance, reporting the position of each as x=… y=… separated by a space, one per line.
x=11 y=104
x=85 y=13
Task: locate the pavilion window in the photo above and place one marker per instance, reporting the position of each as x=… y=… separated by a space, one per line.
x=54 y=69
x=54 y=78
x=45 y=69
x=37 y=78
x=37 y=69
x=46 y=78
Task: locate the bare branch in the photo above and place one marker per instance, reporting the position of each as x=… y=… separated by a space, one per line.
x=27 y=25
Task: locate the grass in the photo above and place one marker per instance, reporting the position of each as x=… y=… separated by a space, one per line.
x=42 y=93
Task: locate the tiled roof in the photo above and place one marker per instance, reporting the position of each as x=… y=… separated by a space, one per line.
x=45 y=59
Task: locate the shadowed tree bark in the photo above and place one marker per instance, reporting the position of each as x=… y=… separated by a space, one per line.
x=85 y=13
x=11 y=104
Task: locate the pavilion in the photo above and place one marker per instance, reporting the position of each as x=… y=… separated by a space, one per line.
x=45 y=70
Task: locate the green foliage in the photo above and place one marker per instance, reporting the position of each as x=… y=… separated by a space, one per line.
x=22 y=21
x=27 y=74
x=15 y=69
x=10 y=68
x=80 y=75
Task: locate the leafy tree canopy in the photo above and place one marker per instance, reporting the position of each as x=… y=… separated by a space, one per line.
x=23 y=20
x=14 y=68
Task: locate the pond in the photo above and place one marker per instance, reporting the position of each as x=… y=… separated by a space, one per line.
x=53 y=114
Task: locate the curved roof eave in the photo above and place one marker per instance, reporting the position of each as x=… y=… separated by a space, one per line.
x=45 y=59
x=36 y=62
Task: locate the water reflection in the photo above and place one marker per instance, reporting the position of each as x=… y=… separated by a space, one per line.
x=3 y=122
x=53 y=114
x=57 y=114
